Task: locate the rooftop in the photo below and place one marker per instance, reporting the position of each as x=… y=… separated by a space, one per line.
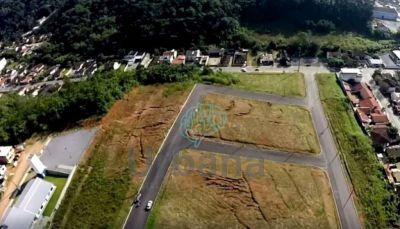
x=18 y=218
x=350 y=71
x=4 y=150
x=34 y=195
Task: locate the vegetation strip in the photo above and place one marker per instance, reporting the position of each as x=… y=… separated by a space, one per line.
x=375 y=200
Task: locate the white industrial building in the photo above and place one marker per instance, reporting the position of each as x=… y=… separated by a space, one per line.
x=385 y=13
x=7 y=154
x=395 y=56
x=30 y=205
x=350 y=74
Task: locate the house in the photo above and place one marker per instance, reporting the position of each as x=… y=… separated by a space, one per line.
x=3 y=171
x=375 y=63
x=3 y=63
x=240 y=58
x=266 y=59
x=193 y=56
x=385 y=13
x=7 y=154
x=395 y=97
x=395 y=56
x=179 y=60
x=380 y=26
x=366 y=107
x=350 y=74
x=330 y=54
x=30 y=205
x=380 y=135
x=168 y=56
x=393 y=152
x=134 y=59
x=215 y=56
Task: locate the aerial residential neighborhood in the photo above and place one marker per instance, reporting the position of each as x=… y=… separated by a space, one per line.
x=199 y=114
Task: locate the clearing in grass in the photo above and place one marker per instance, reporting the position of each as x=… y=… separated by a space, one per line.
x=285 y=84
x=215 y=192
x=130 y=134
x=264 y=124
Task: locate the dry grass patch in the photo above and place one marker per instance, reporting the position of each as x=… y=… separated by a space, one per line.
x=104 y=185
x=284 y=196
x=268 y=125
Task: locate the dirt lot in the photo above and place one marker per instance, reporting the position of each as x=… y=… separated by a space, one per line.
x=284 y=196
x=115 y=164
x=264 y=124
x=286 y=84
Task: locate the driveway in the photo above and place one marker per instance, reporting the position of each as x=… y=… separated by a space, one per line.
x=328 y=159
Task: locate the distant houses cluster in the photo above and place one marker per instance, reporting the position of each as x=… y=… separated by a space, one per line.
x=374 y=120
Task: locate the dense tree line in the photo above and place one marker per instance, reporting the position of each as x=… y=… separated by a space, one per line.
x=321 y=16
x=21 y=116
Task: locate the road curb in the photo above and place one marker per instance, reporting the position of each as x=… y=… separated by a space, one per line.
x=161 y=146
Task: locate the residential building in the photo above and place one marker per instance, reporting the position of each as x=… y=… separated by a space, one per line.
x=193 y=56
x=375 y=63
x=30 y=205
x=7 y=154
x=366 y=107
x=179 y=60
x=266 y=59
x=3 y=63
x=380 y=135
x=240 y=58
x=168 y=56
x=395 y=56
x=385 y=13
x=350 y=74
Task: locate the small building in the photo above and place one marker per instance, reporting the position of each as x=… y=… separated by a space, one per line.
x=240 y=58
x=30 y=205
x=350 y=74
x=266 y=59
x=393 y=152
x=395 y=56
x=376 y=63
x=179 y=60
x=395 y=97
x=193 y=56
x=168 y=56
x=37 y=165
x=7 y=154
x=385 y=13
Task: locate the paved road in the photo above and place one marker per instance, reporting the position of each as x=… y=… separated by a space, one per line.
x=328 y=159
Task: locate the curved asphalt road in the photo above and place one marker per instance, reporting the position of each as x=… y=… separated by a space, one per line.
x=328 y=159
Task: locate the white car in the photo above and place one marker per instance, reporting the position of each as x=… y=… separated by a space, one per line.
x=243 y=70
x=149 y=205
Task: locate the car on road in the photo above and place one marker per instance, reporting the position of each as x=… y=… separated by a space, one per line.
x=243 y=70
x=149 y=205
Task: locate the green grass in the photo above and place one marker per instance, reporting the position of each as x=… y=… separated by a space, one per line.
x=285 y=84
x=59 y=182
x=358 y=154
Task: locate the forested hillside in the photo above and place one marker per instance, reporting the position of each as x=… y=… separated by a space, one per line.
x=318 y=15
x=19 y=16
x=100 y=28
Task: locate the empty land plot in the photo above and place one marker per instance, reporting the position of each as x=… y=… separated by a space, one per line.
x=256 y=194
x=285 y=84
x=105 y=183
x=283 y=127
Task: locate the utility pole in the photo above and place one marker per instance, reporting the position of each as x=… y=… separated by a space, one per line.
x=298 y=70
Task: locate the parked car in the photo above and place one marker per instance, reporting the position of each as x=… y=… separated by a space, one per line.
x=149 y=205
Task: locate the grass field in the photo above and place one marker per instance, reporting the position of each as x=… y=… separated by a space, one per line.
x=59 y=182
x=285 y=84
x=117 y=160
x=358 y=154
x=257 y=123
x=256 y=194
